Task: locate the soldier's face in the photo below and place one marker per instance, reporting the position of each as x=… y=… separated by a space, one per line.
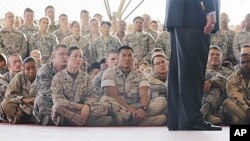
x=146 y=19
x=214 y=57
x=28 y=17
x=85 y=17
x=126 y=58
x=138 y=24
x=112 y=60
x=15 y=64
x=64 y=21
x=44 y=25
x=122 y=26
x=76 y=29
x=160 y=65
x=50 y=13
x=75 y=59
x=105 y=29
x=94 y=26
x=154 y=26
x=36 y=55
x=224 y=19
x=60 y=57
x=245 y=64
x=9 y=19
x=30 y=70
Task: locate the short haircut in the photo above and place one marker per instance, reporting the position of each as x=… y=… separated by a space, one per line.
x=125 y=47
x=103 y=61
x=95 y=65
x=63 y=15
x=106 y=23
x=246 y=46
x=28 y=10
x=74 y=22
x=244 y=54
x=94 y=19
x=71 y=49
x=215 y=47
x=144 y=63
x=153 y=21
x=157 y=49
x=59 y=46
x=3 y=58
x=84 y=11
x=48 y=7
x=29 y=59
x=45 y=17
x=14 y=54
x=111 y=51
x=157 y=55
x=138 y=17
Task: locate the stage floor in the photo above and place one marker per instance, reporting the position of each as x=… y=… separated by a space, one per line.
x=40 y=133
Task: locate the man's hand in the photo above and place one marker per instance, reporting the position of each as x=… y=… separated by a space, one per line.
x=207 y=86
x=85 y=111
x=139 y=115
x=211 y=20
x=28 y=100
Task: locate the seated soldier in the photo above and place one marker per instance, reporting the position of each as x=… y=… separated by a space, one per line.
x=20 y=94
x=215 y=86
x=73 y=95
x=157 y=80
x=237 y=105
x=38 y=56
x=127 y=92
x=3 y=64
x=43 y=102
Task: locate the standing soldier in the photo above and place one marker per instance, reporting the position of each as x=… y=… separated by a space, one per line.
x=76 y=39
x=141 y=42
x=43 y=41
x=63 y=31
x=43 y=102
x=50 y=12
x=104 y=43
x=73 y=95
x=85 y=22
x=122 y=25
x=20 y=94
x=163 y=42
x=12 y=40
x=28 y=28
x=94 y=31
x=146 y=26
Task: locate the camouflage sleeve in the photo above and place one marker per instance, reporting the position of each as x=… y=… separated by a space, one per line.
x=3 y=87
x=219 y=81
x=144 y=81
x=31 y=44
x=54 y=41
x=24 y=49
x=14 y=89
x=44 y=83
x=108 y=79
x=151 y=46
x=91 y=93
x=159 y=42
x=87 y=54
x=236 y=93
x=94 y=51
x=236 y=47
x=125 y=40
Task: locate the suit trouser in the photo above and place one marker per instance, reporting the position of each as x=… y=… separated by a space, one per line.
x=187 y=67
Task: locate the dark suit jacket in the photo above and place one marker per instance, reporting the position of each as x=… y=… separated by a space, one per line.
x=190 y=13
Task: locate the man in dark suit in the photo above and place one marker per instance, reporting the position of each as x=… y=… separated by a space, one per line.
x=190 y=23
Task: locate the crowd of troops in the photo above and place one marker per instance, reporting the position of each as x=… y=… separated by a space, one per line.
x=99 y=73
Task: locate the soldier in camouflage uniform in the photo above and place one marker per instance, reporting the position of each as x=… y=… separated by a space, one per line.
x=157 y=79
x=74 y=96
x=122 y=25
x=111 y=61
x=63 y=31
x=3 y=63
x=242 y=38
x=220 y=40
x=43 y=41
x=20 y=94
x=50 y=12
x=163 y=41
x=154 y=25
x=104 y=43
x=12 y=40
x=43 y=102
x=215 y=86
x=94 y=31
x=245 y=49
x=76 y=39
x=237 y=105
x=146 y=26
x=141 y=42
x=28 y=28
x=127 y=93
x=84 y=15
x=38 y=56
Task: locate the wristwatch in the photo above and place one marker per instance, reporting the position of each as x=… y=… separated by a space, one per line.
x=144 y=108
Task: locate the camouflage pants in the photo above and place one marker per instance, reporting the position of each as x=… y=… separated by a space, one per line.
x=16 y=112
x=42 y=107
x=65 y=116
x=155 y=113
x=232 y=109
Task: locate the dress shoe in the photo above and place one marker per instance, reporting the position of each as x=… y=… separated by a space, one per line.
x=204 y=126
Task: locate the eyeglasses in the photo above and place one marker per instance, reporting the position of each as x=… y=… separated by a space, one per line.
x=16 y=62
x=62 y=54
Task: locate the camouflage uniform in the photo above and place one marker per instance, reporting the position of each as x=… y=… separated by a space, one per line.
x=3 y=87
x=60 y=35
x=68 y=94
x=163 y=41
x=82 y=43
x=153 y=33
x=45 y=44
x=128 y=90
x=98 y=81
x=90 y=39
x=230 y=36
x=4 y=70
x=43 y=102
x=13 y=41
x=29 y=31
x=220 y=40
x=53 y=27
x=238 y=98
x=240 y=39
x=85 y=30
x=142 y=43
x=20 y=87
x=100 y=47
